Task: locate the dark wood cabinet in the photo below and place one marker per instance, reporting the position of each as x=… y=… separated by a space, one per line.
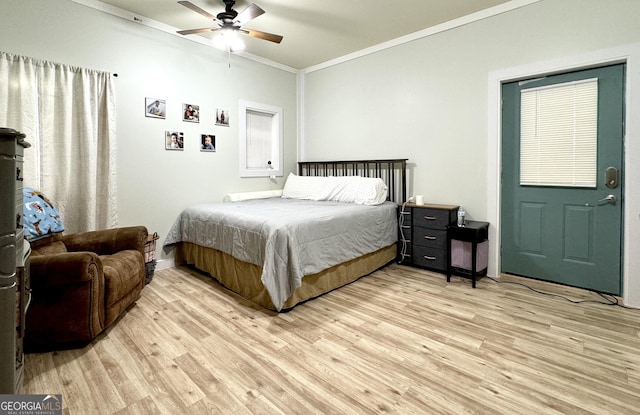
x=423 y=235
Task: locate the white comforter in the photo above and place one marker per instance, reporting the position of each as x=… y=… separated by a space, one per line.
x=288 y=238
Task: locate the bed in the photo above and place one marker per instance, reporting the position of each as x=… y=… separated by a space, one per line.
x=332 y=223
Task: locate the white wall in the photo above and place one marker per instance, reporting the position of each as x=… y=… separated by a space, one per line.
x=154 y=185
x=427 y=100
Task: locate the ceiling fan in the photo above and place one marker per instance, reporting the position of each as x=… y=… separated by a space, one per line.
x=231 y=20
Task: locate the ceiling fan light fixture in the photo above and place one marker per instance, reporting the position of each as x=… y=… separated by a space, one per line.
x=230 y=24
x=228 y=40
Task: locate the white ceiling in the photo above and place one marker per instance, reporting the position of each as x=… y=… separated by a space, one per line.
x=315 y=31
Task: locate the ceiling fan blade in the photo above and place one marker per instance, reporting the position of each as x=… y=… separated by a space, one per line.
x=192 y=31
x=249 y=13
x=197 y=9
x=263 y=35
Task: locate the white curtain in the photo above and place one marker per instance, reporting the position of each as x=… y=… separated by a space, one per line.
x=68 y=116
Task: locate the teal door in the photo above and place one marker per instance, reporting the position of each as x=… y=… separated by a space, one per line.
x=561 y=219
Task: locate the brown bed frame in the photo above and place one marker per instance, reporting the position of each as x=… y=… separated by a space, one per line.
x=245 y=279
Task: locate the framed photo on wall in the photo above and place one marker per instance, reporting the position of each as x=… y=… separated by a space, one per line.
x=207 y=142
x=222 y=117
x=155 y=108
x=173 y=140
x=190 y=112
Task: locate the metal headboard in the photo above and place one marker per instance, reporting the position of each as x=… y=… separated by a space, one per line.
x=393 y=172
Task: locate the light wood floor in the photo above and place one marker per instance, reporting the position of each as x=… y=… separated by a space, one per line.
x=400 y=341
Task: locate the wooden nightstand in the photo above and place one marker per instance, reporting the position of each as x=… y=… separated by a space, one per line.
x=423 y=235
x=473 y=232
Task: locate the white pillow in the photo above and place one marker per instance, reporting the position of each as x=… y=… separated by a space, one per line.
x=303 y=187
x=350 y=189
x=355 y=189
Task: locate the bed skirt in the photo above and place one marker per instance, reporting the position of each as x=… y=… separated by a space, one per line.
x=243 y=278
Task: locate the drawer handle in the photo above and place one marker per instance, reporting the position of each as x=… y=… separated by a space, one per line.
x=430 y=218
x=430 y=258
x=405 y=213
x=432 y=238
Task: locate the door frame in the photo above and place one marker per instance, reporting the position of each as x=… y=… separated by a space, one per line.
x=628 y=54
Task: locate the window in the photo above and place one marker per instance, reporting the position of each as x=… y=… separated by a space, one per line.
x=261 y=140
x=558 y=136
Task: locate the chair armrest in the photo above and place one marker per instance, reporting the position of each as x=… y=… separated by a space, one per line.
x=64 y=269
x=108 y=241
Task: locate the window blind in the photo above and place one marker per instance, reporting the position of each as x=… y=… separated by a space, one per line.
x=558 y=135
x=259 y=126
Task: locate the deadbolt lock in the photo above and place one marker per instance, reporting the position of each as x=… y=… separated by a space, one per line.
x=611 y=179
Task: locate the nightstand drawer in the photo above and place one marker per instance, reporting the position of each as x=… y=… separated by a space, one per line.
x=431 y=218
x=404 y=218
x=404 y=251
x=429 y=257
x=432 y=238
x=405 y=228
x=404 y=236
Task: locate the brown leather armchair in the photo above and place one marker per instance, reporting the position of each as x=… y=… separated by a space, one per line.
x=81 y=283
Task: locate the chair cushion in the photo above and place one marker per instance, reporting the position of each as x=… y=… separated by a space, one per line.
x=124 y=275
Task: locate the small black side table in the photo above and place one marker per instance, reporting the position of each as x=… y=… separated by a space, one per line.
x=474 y=232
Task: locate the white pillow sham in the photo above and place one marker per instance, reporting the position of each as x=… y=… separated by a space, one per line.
x=351 y=189
x=303 y=187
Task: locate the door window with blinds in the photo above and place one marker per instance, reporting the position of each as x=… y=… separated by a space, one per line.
x=558 y=138
x=261 y=140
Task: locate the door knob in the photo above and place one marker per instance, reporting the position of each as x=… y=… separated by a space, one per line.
x=609 y=199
